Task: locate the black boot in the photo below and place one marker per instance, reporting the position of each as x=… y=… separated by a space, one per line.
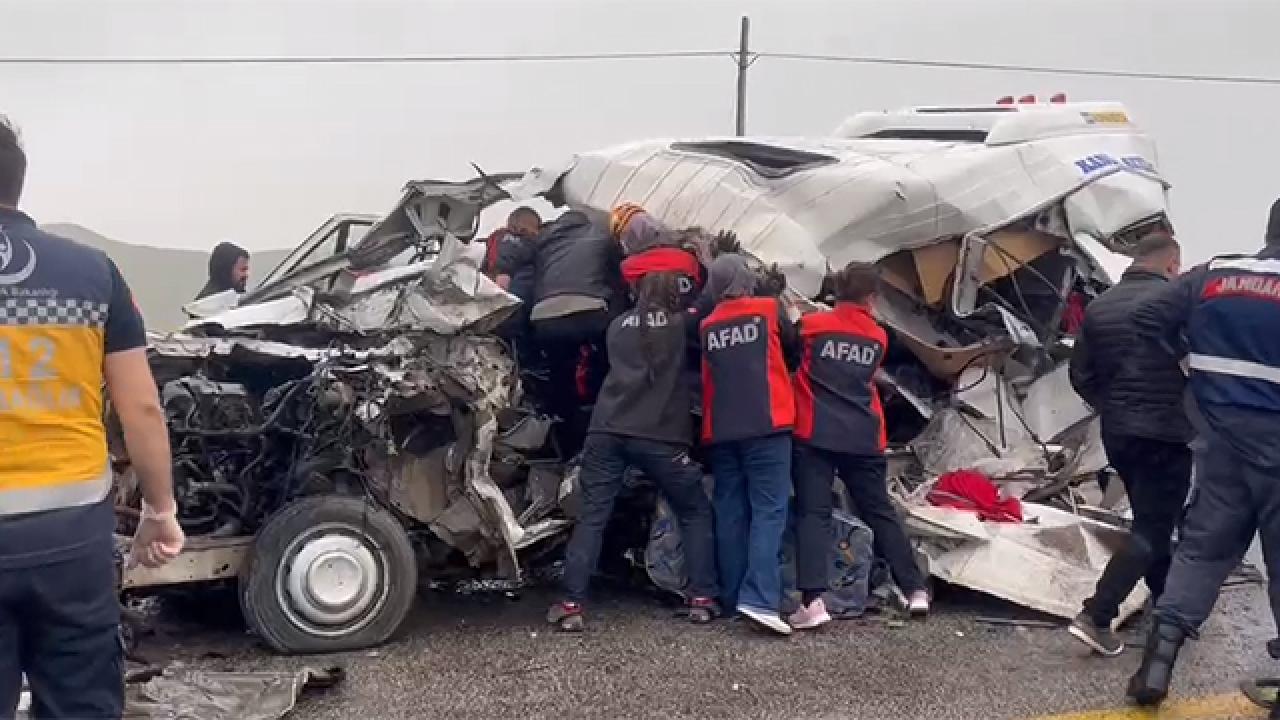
x=1150 y=685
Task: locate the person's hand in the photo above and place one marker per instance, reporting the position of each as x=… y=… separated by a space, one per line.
x=158 y=539
x=773 y=282
x=725 y=242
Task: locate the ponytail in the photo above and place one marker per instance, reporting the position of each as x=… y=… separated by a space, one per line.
x=655 y=292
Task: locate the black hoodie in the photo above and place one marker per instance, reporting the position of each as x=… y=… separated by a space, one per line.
x=1273 y=226
x=222 y=262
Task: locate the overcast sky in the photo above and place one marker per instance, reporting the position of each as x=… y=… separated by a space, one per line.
x=183 y=156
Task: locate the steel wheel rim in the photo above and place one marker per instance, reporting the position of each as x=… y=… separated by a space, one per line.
x=332 y=580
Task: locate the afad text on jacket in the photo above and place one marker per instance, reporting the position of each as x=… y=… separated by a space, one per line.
x=837 y=404
x=746 y=388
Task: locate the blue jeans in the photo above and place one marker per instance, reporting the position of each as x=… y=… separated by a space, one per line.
x=753 y=488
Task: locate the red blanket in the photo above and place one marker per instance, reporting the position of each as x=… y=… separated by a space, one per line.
x=970 y=490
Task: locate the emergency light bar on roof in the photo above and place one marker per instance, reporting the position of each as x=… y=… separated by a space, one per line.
x=1004 y=123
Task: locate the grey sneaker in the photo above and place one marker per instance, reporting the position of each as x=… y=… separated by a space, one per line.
x=1100 y=639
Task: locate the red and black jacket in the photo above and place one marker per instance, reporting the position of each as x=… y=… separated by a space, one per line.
x=746 y=387
x=666 y=259
x=837 y=404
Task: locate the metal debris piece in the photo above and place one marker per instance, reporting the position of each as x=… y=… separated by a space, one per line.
x=178 y=693
x=182 y=694
x=1050 y=565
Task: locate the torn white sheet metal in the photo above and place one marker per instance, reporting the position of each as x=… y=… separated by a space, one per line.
x=1050 y=563
x=1111 y=264
x=455 y=295
x=485 y=371
x=809 y=204
x=292 y=309
x=446 y=296
x=428 y=210
x=178 y=346
x=185 y=694
x=1091 y=455
x=1052 y=407
x=212 y=304
x=983 y=425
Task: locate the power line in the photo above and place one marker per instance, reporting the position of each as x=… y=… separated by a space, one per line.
x=357 y=59
x=1081 y=72
x=654 y=55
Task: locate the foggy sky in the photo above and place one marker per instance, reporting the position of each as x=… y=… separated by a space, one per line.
x=185 y=156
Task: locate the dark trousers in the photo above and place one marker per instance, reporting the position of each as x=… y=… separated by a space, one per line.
x=604 y=460
x=561 y=340
x=1231 y=500
x=1156 y=476
x=753 y=487
x=864 y=478
x=59 y=623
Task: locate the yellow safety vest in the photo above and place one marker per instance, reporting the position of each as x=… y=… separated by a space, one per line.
x=54 y=300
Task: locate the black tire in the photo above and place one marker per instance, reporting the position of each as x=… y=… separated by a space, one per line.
x=267 y=601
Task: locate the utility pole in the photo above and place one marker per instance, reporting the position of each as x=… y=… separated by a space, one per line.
x=744 y=60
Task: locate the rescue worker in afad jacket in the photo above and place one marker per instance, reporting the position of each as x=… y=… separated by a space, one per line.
x=748 y=412
x=840 y=429
x=643 y=419
x=1228 y=311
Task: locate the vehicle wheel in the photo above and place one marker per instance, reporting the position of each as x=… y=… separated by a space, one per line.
x=328 y=573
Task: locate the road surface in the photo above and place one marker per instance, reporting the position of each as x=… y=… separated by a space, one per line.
x=493 y=657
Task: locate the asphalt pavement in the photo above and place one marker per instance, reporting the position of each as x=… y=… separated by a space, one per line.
x=490 y=656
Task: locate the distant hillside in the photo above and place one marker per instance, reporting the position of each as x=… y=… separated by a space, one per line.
x=162 y=279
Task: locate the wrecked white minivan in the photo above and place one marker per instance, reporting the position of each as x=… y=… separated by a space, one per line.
x=350 y=427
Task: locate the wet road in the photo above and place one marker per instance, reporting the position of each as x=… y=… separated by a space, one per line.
x=493 y=657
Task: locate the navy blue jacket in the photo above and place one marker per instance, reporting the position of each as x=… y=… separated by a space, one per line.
x=1225 y=317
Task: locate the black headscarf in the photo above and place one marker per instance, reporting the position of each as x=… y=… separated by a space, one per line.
x=222 y=262
x=1273 y=226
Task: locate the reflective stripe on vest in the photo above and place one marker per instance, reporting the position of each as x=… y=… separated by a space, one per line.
x=1251 y=264
x=1234 y=367
x=37 y=499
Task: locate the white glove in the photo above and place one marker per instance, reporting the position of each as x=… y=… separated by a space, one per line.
x=158 y=539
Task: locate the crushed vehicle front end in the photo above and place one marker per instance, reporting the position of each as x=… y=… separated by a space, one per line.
x=351 y=427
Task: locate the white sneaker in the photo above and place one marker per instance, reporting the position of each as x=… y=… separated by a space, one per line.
x=918 y=605
x=767 y=620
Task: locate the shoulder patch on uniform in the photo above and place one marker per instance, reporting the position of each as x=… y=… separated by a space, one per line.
x=17 y=259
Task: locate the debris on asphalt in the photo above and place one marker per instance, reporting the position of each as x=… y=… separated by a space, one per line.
x=179 y=693
x=1017 y=622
